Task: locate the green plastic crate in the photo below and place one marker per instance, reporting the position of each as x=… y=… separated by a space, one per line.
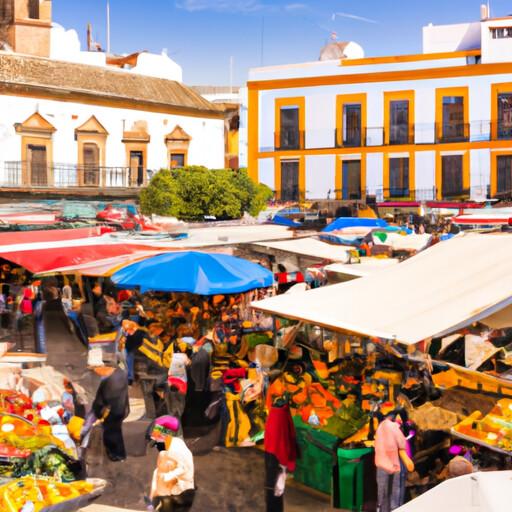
x=351 y=482
x=317 y=457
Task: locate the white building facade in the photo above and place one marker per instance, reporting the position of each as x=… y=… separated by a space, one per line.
x=83 y=119
x=432 y=126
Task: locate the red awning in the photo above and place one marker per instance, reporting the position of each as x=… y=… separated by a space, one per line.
x=46 y=260
x=50 y=235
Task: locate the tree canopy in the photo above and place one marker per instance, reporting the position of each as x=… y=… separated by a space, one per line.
x=194 y=192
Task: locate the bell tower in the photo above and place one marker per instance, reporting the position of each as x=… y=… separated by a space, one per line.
x=25 y=26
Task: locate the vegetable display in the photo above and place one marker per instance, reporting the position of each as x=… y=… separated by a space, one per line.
x=494 y=429
x=40 y=492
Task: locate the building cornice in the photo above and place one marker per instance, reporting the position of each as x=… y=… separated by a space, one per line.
x=383 y=76
x=99 y=99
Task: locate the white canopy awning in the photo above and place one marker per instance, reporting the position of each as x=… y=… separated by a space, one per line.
x=443 y=288
x=366 y=267
x=311 y=247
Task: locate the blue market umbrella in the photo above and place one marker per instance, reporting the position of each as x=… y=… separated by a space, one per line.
x=194 y=272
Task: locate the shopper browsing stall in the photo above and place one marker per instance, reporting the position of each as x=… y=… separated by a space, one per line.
x=112 y=406
x=390 y=452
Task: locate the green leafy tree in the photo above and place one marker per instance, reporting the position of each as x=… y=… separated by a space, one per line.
x=260 y=199
x=161 y=195
x=253 y=196
x=193 y=192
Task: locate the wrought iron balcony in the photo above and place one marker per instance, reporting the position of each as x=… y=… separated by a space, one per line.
x=289 y=140
x=19 y=174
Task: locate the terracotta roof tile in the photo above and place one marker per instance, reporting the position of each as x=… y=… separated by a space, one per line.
x=40 y=73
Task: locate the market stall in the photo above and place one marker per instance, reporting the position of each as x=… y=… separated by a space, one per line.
x=198 y=305
x=362 y=354
x=39 y=433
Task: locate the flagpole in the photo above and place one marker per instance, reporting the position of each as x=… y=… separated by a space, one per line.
x=108 y=27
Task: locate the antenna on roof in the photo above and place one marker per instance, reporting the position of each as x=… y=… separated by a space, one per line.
x=108 y=27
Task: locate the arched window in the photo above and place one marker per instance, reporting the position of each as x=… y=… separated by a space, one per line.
x=91 y=159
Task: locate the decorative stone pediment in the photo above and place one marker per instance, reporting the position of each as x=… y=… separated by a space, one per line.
x=178 y=134
x=92 y=125
x=36 y=124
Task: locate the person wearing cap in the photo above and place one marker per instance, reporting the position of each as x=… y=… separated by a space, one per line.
x=390 y=452
x=183 y=485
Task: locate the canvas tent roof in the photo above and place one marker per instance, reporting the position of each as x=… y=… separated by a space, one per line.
x=51 y=259
x=310 y=247
x=368 y=266
x=444 y=288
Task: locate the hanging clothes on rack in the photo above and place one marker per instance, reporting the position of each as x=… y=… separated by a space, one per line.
x=280 y=454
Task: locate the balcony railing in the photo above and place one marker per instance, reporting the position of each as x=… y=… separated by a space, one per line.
x=403 y=194
x=371 y=136
x=54 y=175
x=456 y=193
x=401 y=134
x=452 y=132
x=503 y=132
x=352 y=139
x=505 y=194
x=289 y=140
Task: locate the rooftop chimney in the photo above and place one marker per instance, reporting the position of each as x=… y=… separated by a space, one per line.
x=484 y=12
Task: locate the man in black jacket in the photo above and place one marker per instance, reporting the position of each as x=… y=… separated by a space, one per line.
x=112 y=404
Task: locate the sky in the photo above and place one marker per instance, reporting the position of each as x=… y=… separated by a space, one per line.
x=203 y=35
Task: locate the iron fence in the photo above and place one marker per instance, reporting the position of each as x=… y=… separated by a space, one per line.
x=57 y=175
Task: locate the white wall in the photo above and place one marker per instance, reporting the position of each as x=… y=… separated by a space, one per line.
x=425 y=171
x=206 y=147
x=480 y=172
x=321 y=101
x=320 y=172
x=320 y=120
x=65 y=45
x=266 y=172
x=267 y=119
x=451 y=38
x=159 y=66
x=374 y=172
x=320 y=104
x=495 y=50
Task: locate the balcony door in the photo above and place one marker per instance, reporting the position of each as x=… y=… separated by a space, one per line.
x=452 y=175
x=504 y=177
x=351 y=179
x=289 y=180
x=38 y=165
x=399 y=177
x=453 y=127
x=289 y=136
x=505 y=116
x=137 y=167
x=91 y=159
x=399 y=122
x=352 y=124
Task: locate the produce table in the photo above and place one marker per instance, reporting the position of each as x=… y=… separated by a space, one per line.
x=494 y=430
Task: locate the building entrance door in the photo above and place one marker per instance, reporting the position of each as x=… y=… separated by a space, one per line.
x=351 y=179
x=38 y=165
x=290 y=180
x=91 y=165
x=136 y=168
